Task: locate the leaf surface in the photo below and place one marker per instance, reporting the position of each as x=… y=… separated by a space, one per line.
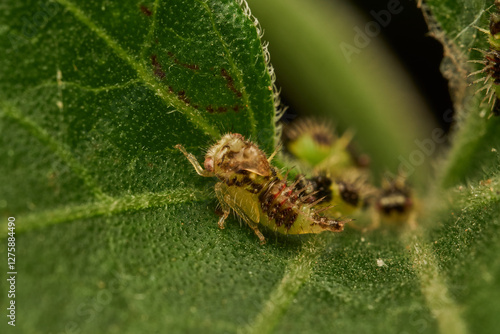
x=116 y=232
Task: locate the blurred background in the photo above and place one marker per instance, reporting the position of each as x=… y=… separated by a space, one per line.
x=370 y=66
x=420 y=54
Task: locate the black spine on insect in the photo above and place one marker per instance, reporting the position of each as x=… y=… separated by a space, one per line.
x=349 y=193
x=394 y=198
x=314 y=189
x=287 y=205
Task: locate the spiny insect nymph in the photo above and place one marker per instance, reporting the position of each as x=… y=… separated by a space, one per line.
x=491 y=62
x=256 y=192
x=339 y=195
x=395 y=203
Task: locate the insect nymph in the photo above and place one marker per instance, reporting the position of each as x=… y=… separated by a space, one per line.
x=395 y=203
x=491 y=63
x=340 y=178
x=256 y=191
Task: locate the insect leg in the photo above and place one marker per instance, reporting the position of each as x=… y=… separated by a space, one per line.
x=250 y=222
x=194 y=162
x=227 y=203
x=225 y=207
x=256 y=230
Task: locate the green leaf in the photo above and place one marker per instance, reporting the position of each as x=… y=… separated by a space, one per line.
x=116 y=233
x=104 y=104
x=473 y=155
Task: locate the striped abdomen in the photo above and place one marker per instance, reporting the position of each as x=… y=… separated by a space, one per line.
x=280 y=206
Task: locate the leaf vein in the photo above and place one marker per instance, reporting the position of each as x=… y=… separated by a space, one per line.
x=251 y=116
x=64 y=84
x=193 y=115
x=297 y=273
x=152 y=27
x=433 y=285
x=106 y=207
x=55 y=146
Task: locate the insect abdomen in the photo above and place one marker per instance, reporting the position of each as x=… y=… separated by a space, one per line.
x=278 y=203
x=283 y=210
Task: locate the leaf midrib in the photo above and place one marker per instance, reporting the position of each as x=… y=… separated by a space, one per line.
x=299 y=270
x=54 y=145
x=106 y=207
x=296 y=274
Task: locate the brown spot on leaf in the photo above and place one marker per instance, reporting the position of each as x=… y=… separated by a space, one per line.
x=230 y=82
x=182 y=96
x=193 y=67
x=157 y=70
x=221 y=109
x=146 y=11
